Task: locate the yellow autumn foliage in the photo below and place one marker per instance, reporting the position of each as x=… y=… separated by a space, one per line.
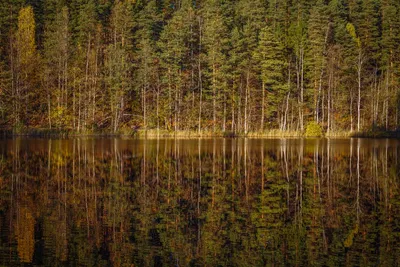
x=349 y=240
x=26 y=36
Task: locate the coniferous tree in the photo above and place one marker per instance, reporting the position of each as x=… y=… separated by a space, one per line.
x=250 y=19
x=118 y=61
x=297 y=43
x=85 y=66
x=215 y=43
x=389 y=65
x=56 y=59
x=318 y=32
x=173 y=44
x=270 y=54
x=358 y=63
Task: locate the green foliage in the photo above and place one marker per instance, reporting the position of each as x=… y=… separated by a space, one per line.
x=60 y=117
x=270 y=57
x=183 y=65
x=313 y=130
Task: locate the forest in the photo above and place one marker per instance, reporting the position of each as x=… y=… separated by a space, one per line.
x=203 y=66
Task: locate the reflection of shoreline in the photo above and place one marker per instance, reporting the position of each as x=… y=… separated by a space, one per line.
x=199 y=199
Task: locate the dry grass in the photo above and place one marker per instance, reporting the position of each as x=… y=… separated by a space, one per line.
x=154 y=133
x=275 y=133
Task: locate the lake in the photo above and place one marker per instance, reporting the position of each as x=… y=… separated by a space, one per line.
x=199 y=202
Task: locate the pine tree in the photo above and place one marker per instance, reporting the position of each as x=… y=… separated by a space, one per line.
x=8 y=23
x=174 y=48
x=358 y=65
x=368 y=29
x=215 y=37
x=318 y=32
x=297 y=43
x=146 y=78
x=56 y=59
x=270 y=54
x=147 y=26
x=235 y=57
x=250 y=19
x=346 y=54
x=118 y=60
x=389 y=63
x=85 y=65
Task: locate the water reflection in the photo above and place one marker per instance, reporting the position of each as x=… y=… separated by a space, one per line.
x=199 y=202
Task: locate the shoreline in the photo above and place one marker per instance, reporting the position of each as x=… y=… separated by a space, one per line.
x=152 y=134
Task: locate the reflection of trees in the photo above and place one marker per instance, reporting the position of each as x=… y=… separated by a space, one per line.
x=199 y=202
x=25 y=234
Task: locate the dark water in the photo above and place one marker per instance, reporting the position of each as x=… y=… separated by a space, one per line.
x=221 y=202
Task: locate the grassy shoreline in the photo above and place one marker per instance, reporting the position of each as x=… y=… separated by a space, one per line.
x=153 y=133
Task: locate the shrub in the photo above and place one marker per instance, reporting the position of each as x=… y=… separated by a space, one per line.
x=60 y=117
x=313 y=130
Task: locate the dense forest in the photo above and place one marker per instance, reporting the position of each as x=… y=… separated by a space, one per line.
x=235 y=66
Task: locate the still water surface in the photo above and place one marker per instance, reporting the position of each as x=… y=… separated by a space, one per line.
x=209 y=202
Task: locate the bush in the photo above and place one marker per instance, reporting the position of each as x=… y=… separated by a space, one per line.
x=60 y=117
x=313 y=130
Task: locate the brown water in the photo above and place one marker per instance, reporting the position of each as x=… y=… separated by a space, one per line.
x=209 y=202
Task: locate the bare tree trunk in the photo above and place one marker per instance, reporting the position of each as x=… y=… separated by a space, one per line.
x=386 y=103
x=351 y=110
x=329 y=101
x=299 y=92
x=359 y=68
x=224 y=119
x=144 y=104
x=86 y=72
x=323 y=107
x=374 y=96
x=74 y=103
x=285 y=127
x=233 y=109
x=176 y=109
x=302 y=88
x=158 y=109
x=322 y=70
x=288 y=97
x=200 y=77
x=246 y=103
x=262 y=107
x=239 y=107
x=79 y=107
x=169 y=98
x=94 y=86
x=214 y=98
x=49 y=105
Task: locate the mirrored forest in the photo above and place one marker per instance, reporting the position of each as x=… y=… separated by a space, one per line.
x=198 y=202
x=239 y=66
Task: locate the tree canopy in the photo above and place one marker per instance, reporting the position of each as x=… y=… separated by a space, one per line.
x=210 y=65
